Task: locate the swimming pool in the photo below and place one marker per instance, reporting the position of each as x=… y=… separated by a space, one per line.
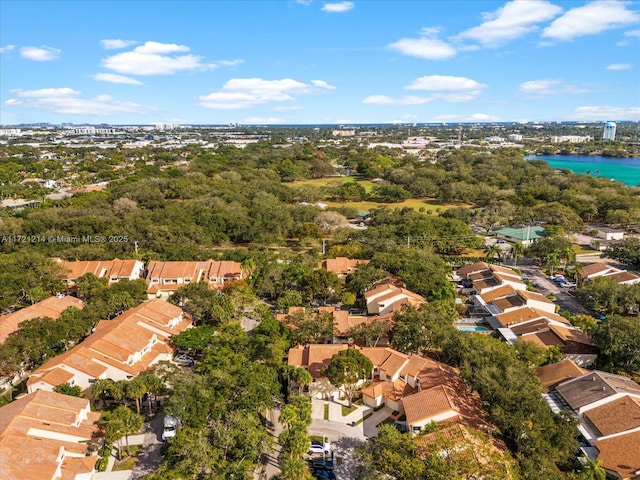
x=473 y=328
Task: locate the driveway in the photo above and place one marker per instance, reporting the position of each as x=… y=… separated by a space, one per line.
x=150 y=456
x=344 y=437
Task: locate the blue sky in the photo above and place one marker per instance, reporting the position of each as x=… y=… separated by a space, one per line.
x=311 y=61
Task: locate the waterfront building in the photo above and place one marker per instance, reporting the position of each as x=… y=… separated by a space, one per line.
x=609 y=131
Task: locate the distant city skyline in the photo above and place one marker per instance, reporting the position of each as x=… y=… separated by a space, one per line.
x=318 y=62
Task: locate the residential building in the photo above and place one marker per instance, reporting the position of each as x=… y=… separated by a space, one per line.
x=554 y=374
x=118 y=349
x=607 y=407
x=507 y=298
x=423 y=389
x=601 y=269
x=51 y=307
x=387 y=298
x=341 y=266
x=48 y=436
x=113 y=270
x=481 y=278
x=343 y=322
x=164 y=278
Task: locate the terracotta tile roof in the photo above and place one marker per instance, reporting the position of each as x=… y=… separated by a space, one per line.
x=72 y=467
x=617 y=416
x=100 y=268
x=427 y=404
x=536 y=326
x=115 y=341
x=621 y=454
x=555 y=373
x=36 y=428
x=51 y=307
x=383 y=287
x=192 y=272
x=394 y=363
x=415 y=365
x=314 y=357
x=341 y=265
x=393 y=391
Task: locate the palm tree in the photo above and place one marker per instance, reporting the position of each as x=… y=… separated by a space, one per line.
x=135 y=390
x=568 y=255
x=248 y=265
x=493 y=251
x=123 y=422
x=517 y=250
x=552 y=262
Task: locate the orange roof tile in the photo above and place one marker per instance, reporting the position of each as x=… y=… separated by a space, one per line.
x=427 y=404
x=36 y=428
x=476 y=267
x=503 y=291
x=51 y=307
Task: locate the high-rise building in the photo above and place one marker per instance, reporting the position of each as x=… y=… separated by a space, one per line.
x=609 y=131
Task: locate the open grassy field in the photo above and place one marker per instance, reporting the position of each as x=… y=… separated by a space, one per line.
x=427 y=204
x=333 y=181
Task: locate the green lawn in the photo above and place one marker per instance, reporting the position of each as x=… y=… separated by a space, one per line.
x=324 y=182
x=346 y=410
x=429 y=205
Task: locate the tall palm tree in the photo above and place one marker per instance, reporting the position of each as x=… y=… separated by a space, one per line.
x=517 y=250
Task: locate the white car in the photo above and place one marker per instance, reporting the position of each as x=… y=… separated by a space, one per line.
x=184 y=360
x=319 y=447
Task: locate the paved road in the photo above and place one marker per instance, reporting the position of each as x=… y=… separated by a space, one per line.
x=271 y=462
x=564 y=299
x=150 y=455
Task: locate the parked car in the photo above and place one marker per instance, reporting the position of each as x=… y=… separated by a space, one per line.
x=171 y=424
x=184 y=360
x=319 y=447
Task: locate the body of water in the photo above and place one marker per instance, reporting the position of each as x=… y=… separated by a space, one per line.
x=626 y=170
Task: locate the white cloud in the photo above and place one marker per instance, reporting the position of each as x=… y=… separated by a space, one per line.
x=591 y=19
x=7 y=48
x=513 y=20
x=40 y=54
x=154 y=58
x=230 y=63
x=632 y=33
x=604 y=113
x=339 y=7
x=619 y=66
x=240 y=93
x=261 y=120
x=113 y=78
x=424 y=47
x=384 y=100
x=448 y=88
x=548 y=87
x=322 y=84
x=115 y=44
x=444 y=82
x=474 y=117
x=67 y=101
x=287 y=108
